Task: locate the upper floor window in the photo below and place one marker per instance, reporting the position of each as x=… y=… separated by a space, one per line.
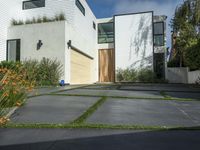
x=106 y=33
x=159 y=34
x=80 y=6
x=33 y=4
x=94 y=25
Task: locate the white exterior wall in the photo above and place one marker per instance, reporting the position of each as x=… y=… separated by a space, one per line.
x=12 y=9
x=53 y=39
x=8 y=8
x=84 y=36
x=134 y=41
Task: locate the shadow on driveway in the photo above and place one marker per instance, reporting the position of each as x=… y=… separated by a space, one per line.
x=151 y=140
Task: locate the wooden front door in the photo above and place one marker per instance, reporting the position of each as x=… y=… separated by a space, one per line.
x=106 y=65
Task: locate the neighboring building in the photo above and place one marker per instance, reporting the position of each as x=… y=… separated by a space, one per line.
x=90 y=49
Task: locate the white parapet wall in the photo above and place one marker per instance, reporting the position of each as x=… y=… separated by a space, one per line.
x=52 y=35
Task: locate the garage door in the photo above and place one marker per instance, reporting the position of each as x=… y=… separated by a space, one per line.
x=81 y=67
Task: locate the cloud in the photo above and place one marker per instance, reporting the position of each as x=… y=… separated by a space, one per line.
x=160 y=7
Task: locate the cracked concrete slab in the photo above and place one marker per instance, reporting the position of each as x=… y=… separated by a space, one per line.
x=52 y=109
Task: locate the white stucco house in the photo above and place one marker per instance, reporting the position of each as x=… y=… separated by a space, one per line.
x=90 y=49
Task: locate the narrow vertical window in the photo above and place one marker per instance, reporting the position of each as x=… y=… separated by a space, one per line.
x=159 y=34
x=13 y=50
x=94 y=25
x=80 y=6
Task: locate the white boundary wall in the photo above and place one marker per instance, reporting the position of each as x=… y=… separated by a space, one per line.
x=182 y=75
x=193 y=76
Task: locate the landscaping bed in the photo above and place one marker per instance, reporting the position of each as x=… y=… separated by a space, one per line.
x=17 y=79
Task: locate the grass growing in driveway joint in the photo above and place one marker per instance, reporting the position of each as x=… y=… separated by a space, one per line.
x=89 y=111
x=134 y=98
x=96 y=126
x=165 y=95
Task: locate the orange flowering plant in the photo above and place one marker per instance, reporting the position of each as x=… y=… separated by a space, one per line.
x=14 y=86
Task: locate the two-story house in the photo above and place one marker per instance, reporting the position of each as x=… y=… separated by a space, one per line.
x=90 y=49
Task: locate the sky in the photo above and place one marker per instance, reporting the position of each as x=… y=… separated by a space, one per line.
x=108 y=8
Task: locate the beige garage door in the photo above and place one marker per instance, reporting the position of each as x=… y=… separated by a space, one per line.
x=81 y=66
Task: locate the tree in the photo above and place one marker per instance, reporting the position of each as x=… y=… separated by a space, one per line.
x=192 y=59
x=186 y=24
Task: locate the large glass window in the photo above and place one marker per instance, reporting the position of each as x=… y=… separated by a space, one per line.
x=13 y=50
x=159 y=34
x=33 y=4
x=80 y=6
x=105 y=33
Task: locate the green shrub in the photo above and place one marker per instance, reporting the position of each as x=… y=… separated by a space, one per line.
x=60 y=17
x=10 y=65
x=119 y=75
x=28 y=21
x=44 y=72
x=192 y=56
x=13 y=88
x=128 y=75
x=45 y=19
x=39 y=20
x=173 y=63
x=15 y=22
x=31 y=66
x=131 y=75
x=33 y=20
x=146 y=75
x=50 y=71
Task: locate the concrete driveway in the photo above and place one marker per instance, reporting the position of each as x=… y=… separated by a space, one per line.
x=159 y=105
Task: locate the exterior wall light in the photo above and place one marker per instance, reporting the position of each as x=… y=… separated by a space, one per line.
x=39 y=44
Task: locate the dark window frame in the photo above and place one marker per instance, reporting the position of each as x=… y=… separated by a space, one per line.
x=94 y=25
x=80 y=7
x=18 y=50
x=110 y=34
x=163 y=33
x=23 y=3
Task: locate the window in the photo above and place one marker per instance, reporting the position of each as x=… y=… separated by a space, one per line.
x=105 y=33
x=33 y=4
x=94 y=25
x=80 y=6
x=13 y=50
x=159 y=34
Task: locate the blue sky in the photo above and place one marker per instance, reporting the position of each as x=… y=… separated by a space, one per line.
x=107 y=8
